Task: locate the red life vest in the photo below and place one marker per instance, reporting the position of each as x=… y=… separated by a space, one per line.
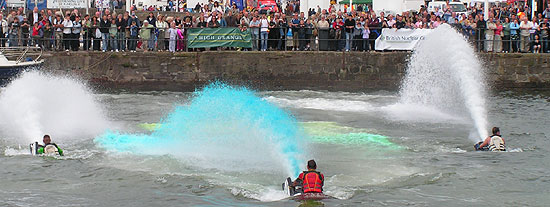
x=312 y=182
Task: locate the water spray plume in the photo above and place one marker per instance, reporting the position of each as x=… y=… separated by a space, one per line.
x=444 y=73
x=225 y=128
x=37 y=103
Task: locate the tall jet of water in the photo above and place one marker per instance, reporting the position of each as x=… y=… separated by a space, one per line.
x=223 y=127
x=444 y=73
x=36 y=104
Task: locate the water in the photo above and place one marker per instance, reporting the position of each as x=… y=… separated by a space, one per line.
x=231 y=146
x=425 y=163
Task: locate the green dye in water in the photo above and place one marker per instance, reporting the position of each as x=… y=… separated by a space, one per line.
x=331 y=132
x=326 y=132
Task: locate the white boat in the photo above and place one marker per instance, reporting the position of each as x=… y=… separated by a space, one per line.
x=14 y=60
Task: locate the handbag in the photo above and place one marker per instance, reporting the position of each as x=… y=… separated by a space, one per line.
x=97 y=33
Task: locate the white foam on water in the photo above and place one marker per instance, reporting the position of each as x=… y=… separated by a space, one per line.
x=323 y=104
x=37 y=103
x=419 y=113
x=262 y=194
x=10 y=151
x=445 y=74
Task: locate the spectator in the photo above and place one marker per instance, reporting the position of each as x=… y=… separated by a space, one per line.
x=75 y=37
x=132 y=43
x=145 y=36
x=113 y=36
x=121 y=24
x=358 y=37
x=58 y=25
x=15 y=29
x=173 y=35
x=490 y=35
x=47 y=34
x=349 y=25
x=181 y=38
x=498 y=36
x=506 y=35
x=97 y=35
x=264 y=27
x=36 y=30
x=525 y=27
x=25 y=32
x=3 y=30
x=255 y=30
x=543 y=31
x=514 y=35
x=88 y=31
x=104 y=26
x=536 y=44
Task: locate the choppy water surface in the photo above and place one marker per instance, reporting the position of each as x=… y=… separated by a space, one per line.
x=372 y=149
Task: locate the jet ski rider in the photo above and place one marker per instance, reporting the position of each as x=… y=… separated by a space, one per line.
x=311 y=180
x=495 y=142
x=49 y=147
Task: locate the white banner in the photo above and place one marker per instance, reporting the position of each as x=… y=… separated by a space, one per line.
x=66 y=4
x=15 y=3
x=400 y=39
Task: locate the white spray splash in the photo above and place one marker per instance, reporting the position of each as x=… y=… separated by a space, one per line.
x=444 y=73
x=37 y=103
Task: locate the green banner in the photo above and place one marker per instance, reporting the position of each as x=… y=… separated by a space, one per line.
x=218 y=37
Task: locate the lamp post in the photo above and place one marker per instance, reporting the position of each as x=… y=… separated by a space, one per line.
x=486 y=10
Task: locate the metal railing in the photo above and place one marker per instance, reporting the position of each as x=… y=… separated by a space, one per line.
x=325 y=40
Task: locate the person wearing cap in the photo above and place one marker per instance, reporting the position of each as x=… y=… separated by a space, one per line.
x=145 y=35
x=311 y=180
x=49 y=147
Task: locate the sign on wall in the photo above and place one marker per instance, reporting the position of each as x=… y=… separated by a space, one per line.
x=67 y=4
x=400 y=39
x=218 y=37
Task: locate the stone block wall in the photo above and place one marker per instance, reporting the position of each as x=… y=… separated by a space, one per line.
x=336 y=71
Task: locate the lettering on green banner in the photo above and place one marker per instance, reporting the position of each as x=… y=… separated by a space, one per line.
x=218 y=37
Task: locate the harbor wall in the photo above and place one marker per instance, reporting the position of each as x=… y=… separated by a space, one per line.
x=336 y=71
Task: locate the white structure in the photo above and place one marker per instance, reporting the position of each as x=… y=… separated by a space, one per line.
x=141 y=3
x=396 y=6
x=305 y=5
x=193 y=3
x=15 y=3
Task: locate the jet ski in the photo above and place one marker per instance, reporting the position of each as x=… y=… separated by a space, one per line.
x=48 y=150
x=296 y=193
x=34 y=148
x=477 y=148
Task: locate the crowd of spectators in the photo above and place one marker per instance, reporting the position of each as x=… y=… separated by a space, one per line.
x=509 y=28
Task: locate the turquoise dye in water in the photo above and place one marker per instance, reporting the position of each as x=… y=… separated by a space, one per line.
x=223 y=127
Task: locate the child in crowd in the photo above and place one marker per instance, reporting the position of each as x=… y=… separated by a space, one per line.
x=133 y=37
x=181 y=38
x=36 y=30
x=173 y=32
x=536 y=44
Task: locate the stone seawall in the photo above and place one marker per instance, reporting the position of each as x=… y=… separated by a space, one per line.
x=277 y=70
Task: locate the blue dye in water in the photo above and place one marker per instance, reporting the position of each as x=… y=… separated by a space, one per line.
x=223 y=127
